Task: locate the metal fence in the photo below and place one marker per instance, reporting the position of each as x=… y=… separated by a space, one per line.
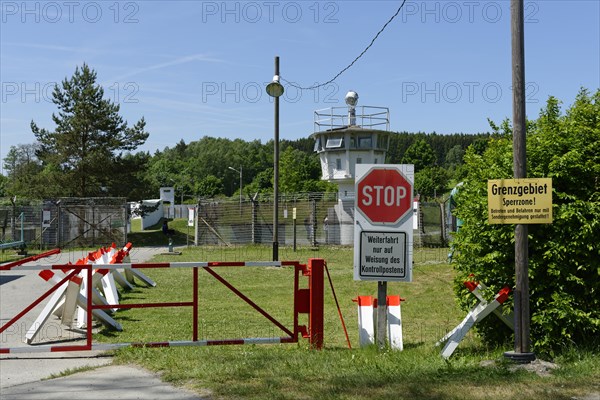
x=65 y=222
x=304 y=219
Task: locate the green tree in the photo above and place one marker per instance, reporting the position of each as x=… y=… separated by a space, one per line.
x=420 y=154
x=432 y=181
x=564 y=257
x=3 y=184
x=262 y=183
x=89 y=136
x=132 y=183
x=209 y=187
x=454 y=157
x=22 y=169
x=298 y=171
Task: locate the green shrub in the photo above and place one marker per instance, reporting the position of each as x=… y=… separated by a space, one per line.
x=564 y=257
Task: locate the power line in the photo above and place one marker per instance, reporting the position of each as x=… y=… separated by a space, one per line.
x=354 y=61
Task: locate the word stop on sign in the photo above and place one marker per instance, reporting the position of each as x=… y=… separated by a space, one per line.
x=383 y=195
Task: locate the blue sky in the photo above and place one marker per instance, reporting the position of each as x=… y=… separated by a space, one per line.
x=199 y=68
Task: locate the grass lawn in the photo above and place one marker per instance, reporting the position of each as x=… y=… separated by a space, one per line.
x=292 y=371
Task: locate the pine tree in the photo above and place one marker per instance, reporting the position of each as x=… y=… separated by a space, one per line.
x=89 y=138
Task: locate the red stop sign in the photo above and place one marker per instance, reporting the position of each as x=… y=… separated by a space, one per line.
x=384 y=195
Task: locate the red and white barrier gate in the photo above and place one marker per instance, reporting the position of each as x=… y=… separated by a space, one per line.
x=367 y=320
x=306 y=301
x=476 y=314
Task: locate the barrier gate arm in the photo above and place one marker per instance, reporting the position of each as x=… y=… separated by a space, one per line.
x=9 y=266
x=308 y=301
x=250 y=302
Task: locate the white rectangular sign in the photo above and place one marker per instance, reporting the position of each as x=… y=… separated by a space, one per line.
x=45 y=218
x=383 y=229
x=383 y=255
x=191 y=216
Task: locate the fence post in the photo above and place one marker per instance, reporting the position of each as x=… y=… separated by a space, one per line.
x=314 y=222
x=316 y=268
x=255 y=234
x=196 y=226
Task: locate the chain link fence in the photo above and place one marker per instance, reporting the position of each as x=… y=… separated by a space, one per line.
x=305 y=220
x=64 y=223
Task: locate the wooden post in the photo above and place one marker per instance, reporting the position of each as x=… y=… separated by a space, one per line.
x=522 y=342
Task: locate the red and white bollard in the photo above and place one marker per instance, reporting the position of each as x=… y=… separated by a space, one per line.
x=394 y=322
x=367 y=320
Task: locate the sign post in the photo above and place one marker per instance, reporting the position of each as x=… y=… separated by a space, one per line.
x=383 y=231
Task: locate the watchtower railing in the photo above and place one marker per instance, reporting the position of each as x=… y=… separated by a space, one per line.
x=366 y=117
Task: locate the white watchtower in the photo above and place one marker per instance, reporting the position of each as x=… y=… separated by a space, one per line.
x=344 y=138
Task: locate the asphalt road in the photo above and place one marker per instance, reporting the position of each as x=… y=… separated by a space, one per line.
x=24 y=376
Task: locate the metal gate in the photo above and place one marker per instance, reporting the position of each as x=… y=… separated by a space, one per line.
x=83 y=222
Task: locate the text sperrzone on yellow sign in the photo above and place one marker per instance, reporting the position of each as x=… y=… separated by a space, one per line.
x=520 y=201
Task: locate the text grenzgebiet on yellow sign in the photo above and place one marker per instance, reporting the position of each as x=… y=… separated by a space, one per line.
x=520 y=201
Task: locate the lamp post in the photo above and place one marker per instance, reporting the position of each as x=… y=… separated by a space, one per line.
x=240 y=172
x=275 y=90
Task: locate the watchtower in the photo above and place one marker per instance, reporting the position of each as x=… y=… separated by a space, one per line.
x=344 y=137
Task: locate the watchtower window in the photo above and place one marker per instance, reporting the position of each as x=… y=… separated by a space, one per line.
x=318 y=147
x=365 y=142
x=334 y=143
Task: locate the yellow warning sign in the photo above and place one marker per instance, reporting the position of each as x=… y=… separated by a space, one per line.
x=520 y=201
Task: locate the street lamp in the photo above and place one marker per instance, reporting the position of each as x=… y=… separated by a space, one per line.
x=240 y=172
x=275 y=89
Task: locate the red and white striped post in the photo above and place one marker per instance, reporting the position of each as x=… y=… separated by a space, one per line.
x=366 y=319
x=394 y=322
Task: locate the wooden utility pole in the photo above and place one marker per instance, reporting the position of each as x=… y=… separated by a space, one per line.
x=522 y=342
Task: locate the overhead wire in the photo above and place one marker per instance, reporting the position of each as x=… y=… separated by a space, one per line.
x=353 y=61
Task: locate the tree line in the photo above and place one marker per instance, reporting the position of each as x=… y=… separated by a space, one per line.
x=92 y=153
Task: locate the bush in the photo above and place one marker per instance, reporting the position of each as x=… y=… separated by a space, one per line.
x=564 y=257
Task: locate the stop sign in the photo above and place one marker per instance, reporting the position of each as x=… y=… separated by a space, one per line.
x=384 y=195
